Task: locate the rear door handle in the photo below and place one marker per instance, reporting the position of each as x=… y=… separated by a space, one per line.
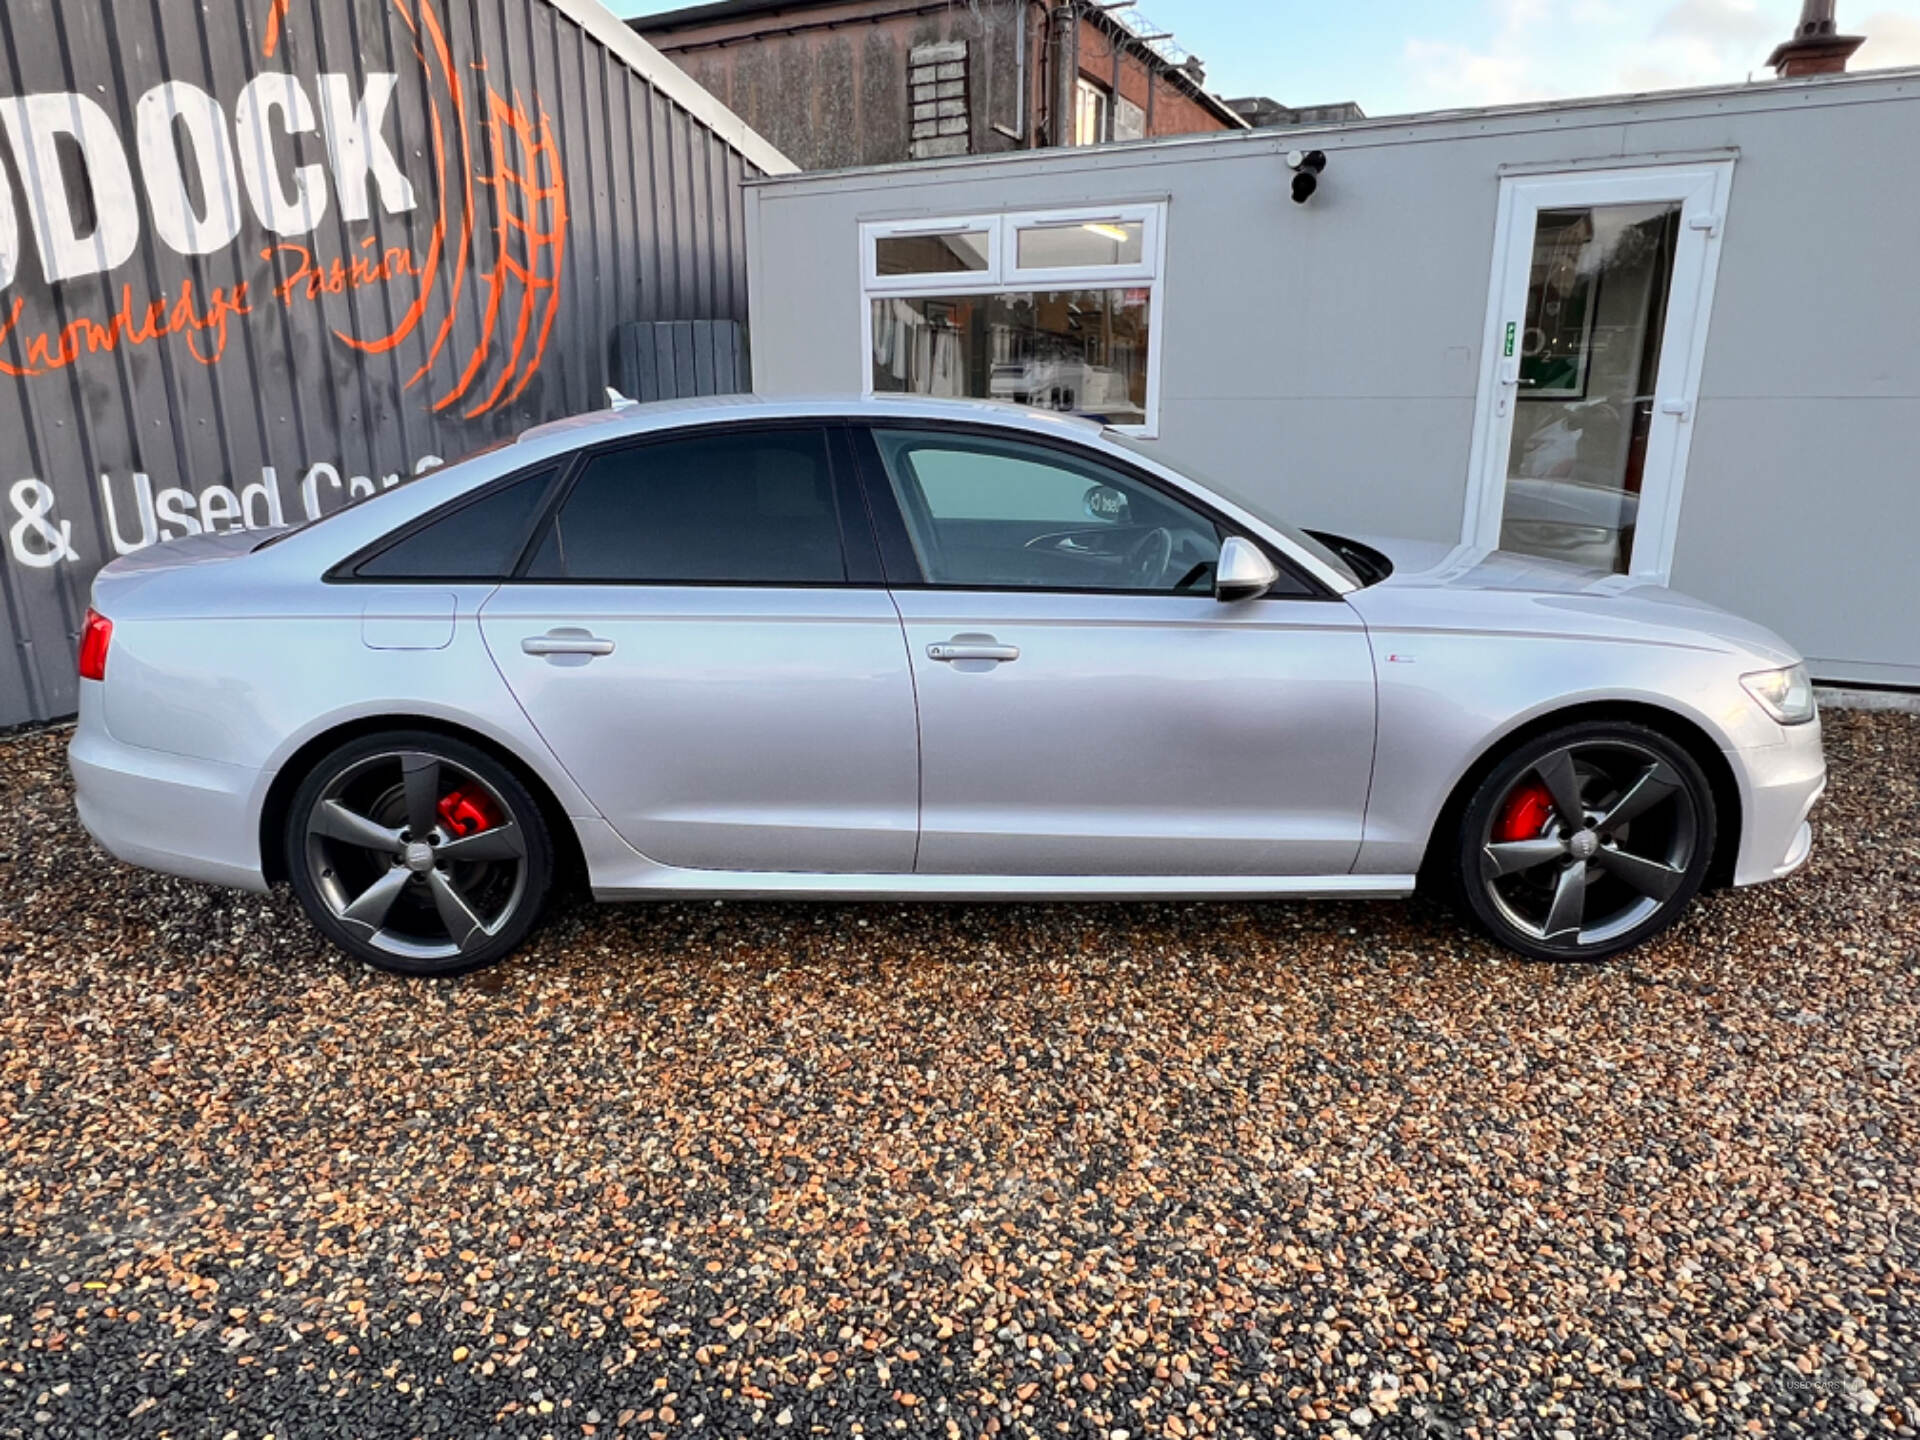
x=966 y=647
x=566 y=642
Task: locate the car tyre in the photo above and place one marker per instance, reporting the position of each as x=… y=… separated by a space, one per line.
x=418 y=853
x=1584 y=841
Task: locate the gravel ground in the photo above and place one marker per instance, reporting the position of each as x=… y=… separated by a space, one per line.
x=1109 y=1171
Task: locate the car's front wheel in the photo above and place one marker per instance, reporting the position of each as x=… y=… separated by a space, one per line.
x=1585 y=841
x=418 y=853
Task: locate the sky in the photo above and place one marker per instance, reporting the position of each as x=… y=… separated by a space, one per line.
x=1399 y=56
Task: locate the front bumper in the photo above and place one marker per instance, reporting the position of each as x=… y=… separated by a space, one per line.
x=1779 y=786
x=171 y=813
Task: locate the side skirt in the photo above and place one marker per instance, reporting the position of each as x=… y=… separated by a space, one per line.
x=620 y=872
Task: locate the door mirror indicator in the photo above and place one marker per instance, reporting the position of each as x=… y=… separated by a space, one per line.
x=1244 y=571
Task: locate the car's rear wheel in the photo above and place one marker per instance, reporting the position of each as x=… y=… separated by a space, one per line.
x=418 y=853
x=1585 y=841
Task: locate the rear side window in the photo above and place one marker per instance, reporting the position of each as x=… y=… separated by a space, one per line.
x=747 y=508
x=479 y=540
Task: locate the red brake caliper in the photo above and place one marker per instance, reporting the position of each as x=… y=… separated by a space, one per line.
x=464 y=814
x=1525 y=815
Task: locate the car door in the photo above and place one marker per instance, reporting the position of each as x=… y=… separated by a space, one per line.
x=1086 y=705
x=700 y=631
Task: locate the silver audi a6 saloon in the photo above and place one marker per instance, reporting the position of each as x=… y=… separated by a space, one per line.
x=913 y=649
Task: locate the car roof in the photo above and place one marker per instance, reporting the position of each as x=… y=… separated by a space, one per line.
x=629 y=418
x=542 y=443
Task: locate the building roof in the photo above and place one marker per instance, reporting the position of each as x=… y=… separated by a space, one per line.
x=1110 y=19
x=674 y=83
x=1568 y=116
x=720 y=11
x=1263 y=111
x=715 y=10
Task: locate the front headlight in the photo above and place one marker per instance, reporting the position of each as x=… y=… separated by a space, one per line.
x=1786 y=695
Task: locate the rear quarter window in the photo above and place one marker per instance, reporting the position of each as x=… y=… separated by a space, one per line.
x=476 y=538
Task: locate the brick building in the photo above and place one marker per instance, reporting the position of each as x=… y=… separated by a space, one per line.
x=834 y=83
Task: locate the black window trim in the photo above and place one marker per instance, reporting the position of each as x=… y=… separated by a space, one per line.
x=859 y=548
x=904 y=571
x=344 y=572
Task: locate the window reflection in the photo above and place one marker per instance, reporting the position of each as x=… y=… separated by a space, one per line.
x=1006 y=515
x=1096 y=242
x=1073 y=350
x=1589 y=365
x=1089 y=113
x=930 y=254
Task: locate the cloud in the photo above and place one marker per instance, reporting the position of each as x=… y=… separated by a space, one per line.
x=1891 y=40
x=1703 y=42
x=1452 y=75
x=1509 y=70
x=1561 y=49
x=1517 y=14
x=1722 y=25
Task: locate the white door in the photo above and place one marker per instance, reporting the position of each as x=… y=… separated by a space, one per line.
x=1596 y=327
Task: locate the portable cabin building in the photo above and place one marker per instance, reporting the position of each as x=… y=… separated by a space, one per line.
x=1673 y=336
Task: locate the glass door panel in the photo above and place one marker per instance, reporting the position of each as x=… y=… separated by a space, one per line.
x=1589 y=357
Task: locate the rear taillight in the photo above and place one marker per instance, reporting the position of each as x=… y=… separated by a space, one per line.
x=95 y=636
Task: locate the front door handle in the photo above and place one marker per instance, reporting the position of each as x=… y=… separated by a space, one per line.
x=566 y=642
x=973 y=647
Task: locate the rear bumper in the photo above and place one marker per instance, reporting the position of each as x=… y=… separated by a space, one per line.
x=195 y=818
x=1780 y=785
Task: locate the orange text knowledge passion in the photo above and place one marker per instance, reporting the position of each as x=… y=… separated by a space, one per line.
x=199 y=175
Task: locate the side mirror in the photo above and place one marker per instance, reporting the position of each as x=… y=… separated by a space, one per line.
x=1103 y=502
x=1244 y=571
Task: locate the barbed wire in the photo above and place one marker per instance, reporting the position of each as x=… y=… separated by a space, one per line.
x=1140 y=29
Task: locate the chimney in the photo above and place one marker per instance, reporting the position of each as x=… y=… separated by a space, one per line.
x=1817 y=47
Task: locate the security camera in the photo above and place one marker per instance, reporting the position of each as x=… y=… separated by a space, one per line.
x=1306 y=166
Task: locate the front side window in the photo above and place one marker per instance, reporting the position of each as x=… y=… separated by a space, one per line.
x=984 y=512
x=746 y=508
x=1055 y=310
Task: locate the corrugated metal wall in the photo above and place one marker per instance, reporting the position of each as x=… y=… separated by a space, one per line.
x=671 y=359
x=258 y=255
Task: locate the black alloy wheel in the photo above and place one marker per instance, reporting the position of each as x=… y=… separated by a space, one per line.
x=1586 y=841
x=418 y=853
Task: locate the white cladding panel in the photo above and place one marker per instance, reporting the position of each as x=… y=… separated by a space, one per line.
x=1321 y=360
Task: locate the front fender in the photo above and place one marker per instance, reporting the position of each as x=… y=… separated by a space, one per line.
x=1448 y=700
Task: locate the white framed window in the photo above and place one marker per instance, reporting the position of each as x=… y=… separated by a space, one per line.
x=1057 y=309
x=912 y=255
x=1089 y=113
